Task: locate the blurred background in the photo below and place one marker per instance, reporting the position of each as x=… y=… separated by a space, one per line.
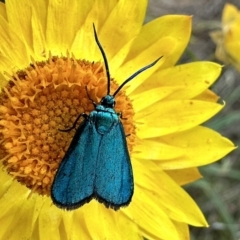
x=218 y=193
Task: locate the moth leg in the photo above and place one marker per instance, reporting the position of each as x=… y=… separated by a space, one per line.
x=94 y=104
x=75 y=122
x=120 y=115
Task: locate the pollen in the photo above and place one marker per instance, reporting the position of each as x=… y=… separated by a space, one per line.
x=40 y=100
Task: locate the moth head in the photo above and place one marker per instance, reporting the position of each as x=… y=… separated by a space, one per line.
x=108 y=101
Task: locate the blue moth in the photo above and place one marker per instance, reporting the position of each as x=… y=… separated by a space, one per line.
x=97 y=164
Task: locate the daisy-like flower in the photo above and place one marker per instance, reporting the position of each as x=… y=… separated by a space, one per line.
x=48 y=56
x=228 y=38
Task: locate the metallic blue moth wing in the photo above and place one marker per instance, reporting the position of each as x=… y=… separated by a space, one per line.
x=96 y=165
x=73 y=184
x=114 y=178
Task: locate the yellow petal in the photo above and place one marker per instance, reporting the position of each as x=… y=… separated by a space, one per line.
x=160 y=226
x=233 y=48
x=10 y=221
x=49 y=222
x=6 y=181
x=166 y=36
x=5 y=63
x=162 y=190
x=156 y=150
x=61 y=14
x=146 y=98
x=177 y=27
x=164 y=46
x=218 y=39
x=3 y=10
x=20 y=25
x=95 y=209
x=124 y=227
x=13 y=47
x=16 y=212
x=39 y=9
x=194 y=78
x=182 y=229
x=202 y=146
x=208 y=96
x=173 y=116
x=92 y=229
x=8 y=201
x=232 y=30
x=67 y=223
x=84 y=36
x=127 y=29
x=38 y=38
x=184 y=176
x=117 y=61
x=25 y=220
x=230 y=12
x=79 y=218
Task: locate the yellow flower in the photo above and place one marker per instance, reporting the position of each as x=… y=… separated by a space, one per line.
x=228 y=38
x=47 y=56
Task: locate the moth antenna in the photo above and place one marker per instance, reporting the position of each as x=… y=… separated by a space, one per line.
x=135 y=74
x=104 y=58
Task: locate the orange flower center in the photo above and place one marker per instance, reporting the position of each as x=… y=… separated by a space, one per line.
x=40 y=100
